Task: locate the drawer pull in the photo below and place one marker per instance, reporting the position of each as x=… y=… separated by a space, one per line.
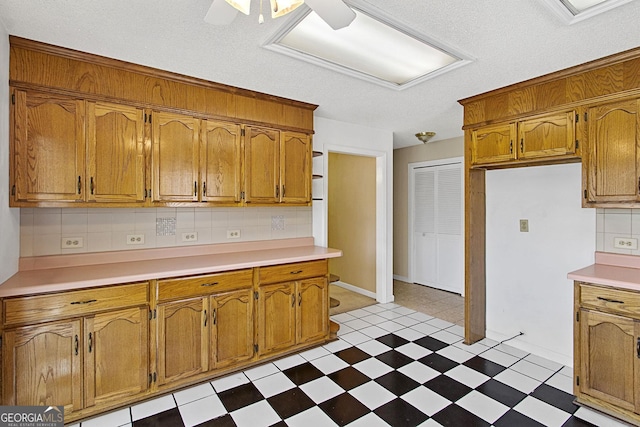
x=83 y=302
x=210 y=284
x=296 y=272
x=610 y=300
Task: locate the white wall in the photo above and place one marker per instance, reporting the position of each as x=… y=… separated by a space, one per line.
x=527 y=286
x=341 y=137
x=9 y=218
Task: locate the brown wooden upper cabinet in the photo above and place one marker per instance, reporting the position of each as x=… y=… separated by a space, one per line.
x=542 y=138
x=277 y=166
x=613 y=163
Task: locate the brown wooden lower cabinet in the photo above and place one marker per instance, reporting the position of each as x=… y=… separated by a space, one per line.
x=607 y=350
x=98 y=349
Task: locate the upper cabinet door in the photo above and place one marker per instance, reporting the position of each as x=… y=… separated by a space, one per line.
x=295 y=168
x=49 y=148
x=614 y=153
x=220 y=160
x=262 y=165
x=175 y=157
x=116 y=159
x=493 y=144
x=548 y=136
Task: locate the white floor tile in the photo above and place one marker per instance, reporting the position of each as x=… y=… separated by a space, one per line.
x=456 y=330
x=359 y=313
x=372 y=395
x=561 y=382
x=229 y=382
x=357 y=324
x=374 y=308
x=389 y=315
x=545 y=363
x=355 y=337
x=419 y=372
x=420 y=316
x=321 y=389
x=261 y=371
x=343 y=318
x=329 y=364
x=467 y=376
x=430 y=423
x=373 y=347
x=260 y=414
x=488 y=342
x=456 y=354
x=426 y=400
x=447 y=337
x=374 y=319
x=425 y=328
x=193 y=393
x=315 y=353
x=406 y=321
x=152 y=407
x=374 y=331
x=111 y=419
x=532 y=370
x=439 y=323
x=516 y=352
x=413 y=350
x=369 y=420
x=597 y=418
x=499 y=357
x=391 y=326
x=199 y=411
x=518 y=381
x=409 y=334
x=296 y=359
x=312 y=417
x=542 y=412
x=475 y=348
x=344 y=330
x=403 y=310
x=373 y=368
x=389 y=306
x=483 y=406
x=337 y=345
x=274 y=384
x=567 y=371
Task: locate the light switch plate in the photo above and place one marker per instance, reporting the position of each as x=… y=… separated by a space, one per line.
x=524 y=225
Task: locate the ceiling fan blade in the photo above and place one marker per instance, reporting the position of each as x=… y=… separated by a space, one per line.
x=220 y=13
x=334 y=12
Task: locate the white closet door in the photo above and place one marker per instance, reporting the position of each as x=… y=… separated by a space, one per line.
x=438 y=255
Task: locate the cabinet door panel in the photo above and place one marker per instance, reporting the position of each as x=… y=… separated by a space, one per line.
x=313 y=310
x=608 y=358
x=49 y=148
x=295 y=168
x=116 y=159
x=493 y=144
x=116 y=355
x=220 y=162
x=276 y=317
x=614 y=154
x=262 y=165
x=548 y=136
x=42 y=365
x=175 y=157
x=182 y=325
x=232 y=331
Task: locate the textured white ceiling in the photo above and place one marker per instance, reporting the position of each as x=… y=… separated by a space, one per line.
x=511 y=41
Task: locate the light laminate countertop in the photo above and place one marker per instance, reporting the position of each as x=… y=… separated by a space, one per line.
x=617 y=270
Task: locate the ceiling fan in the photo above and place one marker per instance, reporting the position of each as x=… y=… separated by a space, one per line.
x=334 y=12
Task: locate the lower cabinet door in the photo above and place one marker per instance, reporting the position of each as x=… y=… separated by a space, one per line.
x=276 y=317
x=116 y=355
x=42 y=365
x=183 y=339
x=232 y=327
x=610 y=365
x=313 y=310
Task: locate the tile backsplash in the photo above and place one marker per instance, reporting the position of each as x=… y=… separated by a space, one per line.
x=44 y=230
x=612 y=223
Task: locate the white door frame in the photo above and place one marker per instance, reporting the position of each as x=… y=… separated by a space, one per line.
x=411 y=191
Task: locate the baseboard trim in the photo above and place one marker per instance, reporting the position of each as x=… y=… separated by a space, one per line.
x=355 y=289
x=401 y=278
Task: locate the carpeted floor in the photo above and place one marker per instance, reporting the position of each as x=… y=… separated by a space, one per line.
x=348 y=300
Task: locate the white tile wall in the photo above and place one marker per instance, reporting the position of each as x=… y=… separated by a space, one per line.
x=612 y=223
x=42 y=229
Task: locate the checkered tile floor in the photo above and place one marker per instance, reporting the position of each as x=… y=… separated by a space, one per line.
x=390 y=366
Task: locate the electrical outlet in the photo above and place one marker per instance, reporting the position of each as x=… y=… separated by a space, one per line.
x=72 y=243
x=135 y=239
x=625 y=243
x=233 y=234
x=190 y=237
x=524 y=225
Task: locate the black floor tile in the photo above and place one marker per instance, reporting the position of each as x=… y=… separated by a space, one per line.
x=348 y=378
x=485 y=366
x=224 y=421
x=448 y=387
x=437 y=362
x=501 y=392
x=394 y=359
x=239 y=397
x=514 y=418
x=290 y=402
x=455 y=416
x=577 y=422
x=303 y=373
x=279 y=424
x=397 y=383
x=392 y=340
x=167 y=418
x=555 y=397
x=344 y=409
x=399 y=413
x=352 y=355
x=431 y=343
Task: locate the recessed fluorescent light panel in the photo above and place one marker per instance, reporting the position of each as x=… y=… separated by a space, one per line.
x=372 y=48
x=572 y=11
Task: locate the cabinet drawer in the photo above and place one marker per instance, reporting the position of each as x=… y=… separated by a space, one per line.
x=42 y=308
x=614 y=300
x=294 y=271
x=204 y=285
